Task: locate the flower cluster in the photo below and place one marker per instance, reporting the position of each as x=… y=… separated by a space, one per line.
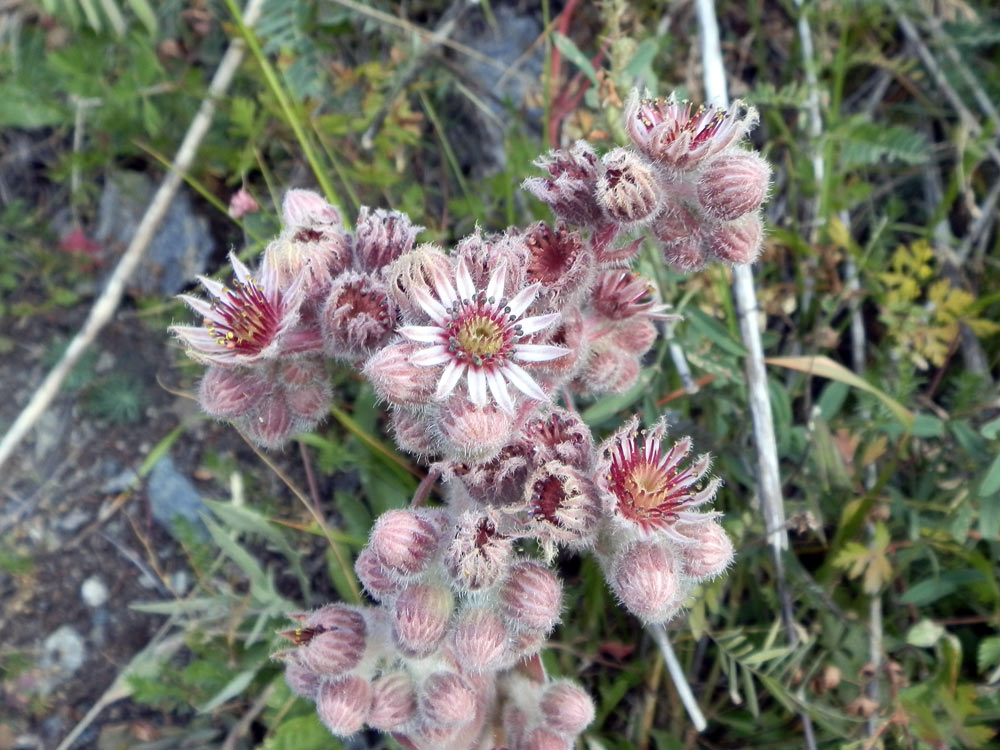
x=471 y=349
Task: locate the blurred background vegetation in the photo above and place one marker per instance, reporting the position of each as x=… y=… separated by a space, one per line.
x=882 y=256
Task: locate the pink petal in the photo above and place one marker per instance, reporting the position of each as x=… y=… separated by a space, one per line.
x=537 y=323
x=423 y=334
x=429 y=305
x=463 y=280
x=538 y=352
x=449 y=379
x=431 y=356
x=524 y=298
x=523 y=381
x=494 y=288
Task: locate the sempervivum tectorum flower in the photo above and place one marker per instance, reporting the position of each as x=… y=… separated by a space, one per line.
x=681 y=137
x=562 y=506
x=629 y=190
x=569 y=188
x=649 y=489
x=560 y=261
x=478 y=333
x=247 y=323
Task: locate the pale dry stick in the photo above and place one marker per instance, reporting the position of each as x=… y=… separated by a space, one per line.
x=105 y=305
x=745 y=299
x=980 y=226
x=659 y=634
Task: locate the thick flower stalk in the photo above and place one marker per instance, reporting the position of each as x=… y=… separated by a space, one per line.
x=472 y=350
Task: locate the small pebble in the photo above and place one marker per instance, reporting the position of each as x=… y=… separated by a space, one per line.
x=94 y=592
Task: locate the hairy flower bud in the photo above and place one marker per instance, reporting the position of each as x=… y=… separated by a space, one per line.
x=417 y=268
x=483 y=255
x=532 y=597
x=448 y=700
x=681 y=236
x=733 y=184
x=608 y=369
x=396 y=379
x=563 y=506
x=739 y=241
x=333 y=640
x=357 y=317
x=318 y=255
x=228 y=392
x=310 y=403
x=628 y=190
x=301 y=680
x=404 y=541
x=645 y=578
x=566 y=707
x=306 y=208
x=394 y=702
x=569 y=188
x=420 y=618
x=560 y=261
x=542 y=738
x=382 y=236
x=477 y=556
x=711 y=552
x=272 y=424
x=560 y=436
x=409 y=428
x=344 y=705
x=473 y=433
x=242 y=203
x=378 y=582
x=480 y=639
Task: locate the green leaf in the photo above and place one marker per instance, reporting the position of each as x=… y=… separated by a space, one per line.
x=575 y=56
x=991 y=429
x=261 y=586
x=233 y=688
x=714 y=331
x=924 y=634
x=988 y=654
x=868 y=143
x=989 y=517
x=22 y=108
x=927 y=592
x=642 y=58
x=991 y=482
x=144 y=12
x=302 y=733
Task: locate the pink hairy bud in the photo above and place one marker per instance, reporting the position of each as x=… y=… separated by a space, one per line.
x=344 y=705
x=357 y=318
x=396 y=379
x=569 y=188
x=480 y=639
x=563 y=505
x=528 y=643
x=447 y=699
x=543 y=739
x=242 y=203
x=478 y=556
x=310 y=403
x=306 y=208
x=404 y=541
x=420 y=618
x=382 y=236
x=711 y=552
x=394 y=702
x=636 y=335
x=609 y=369
x=301 y=371
x=301 y=680
x=628 y=190
x=532 y=597
x=272 y=424
x=739 y=241
x=733 y=184
x=645 y=577
x=482 y=255
x=417 y=268
x=679 y=231
x=473 y=433
x=316 y=255
x=559 y=260
x=567 y=708
x=560 y=436
x=620 y=295
x=228 y=393
x=409 y=428
x=378 y=582
x=332 y=640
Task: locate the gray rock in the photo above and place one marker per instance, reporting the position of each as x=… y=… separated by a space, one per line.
x=181 y=246
x=94 y=592
x=63 y=653
x=173 y=496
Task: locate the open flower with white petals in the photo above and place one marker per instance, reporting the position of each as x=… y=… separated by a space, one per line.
x=479 y=333
x=245 y=323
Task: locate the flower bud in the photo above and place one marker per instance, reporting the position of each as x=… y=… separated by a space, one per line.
x=733 y=184
x=404 y=541
x=306 y=208
x=560 y=436
x=415 y=268
x=738 y=241
x=636 y=335
x=608 y=370
x=242 y=203
x=409 y=428
x=628 y=190
x=396 y=379
x=310 y=403
x=394 y=702
x=448 y=700
x=569 y=188
x=317 y=255
x=357 y=317
x=272 y=424
x=334 y=640
x=420 y=618
x=563 y=505
x=294 y=373
x=473 y=433
x=679 y=230
x=483 y=255
x=343 y=705
x=382 y=236
x=567 y=708
x=378 y=582
x=228 y=393
x=480 y=639
x=301 y=680
x=532 y=597
x=645 y=578
x=541 y=738
x=710 y=554
x=477 y=556
x=686 y=256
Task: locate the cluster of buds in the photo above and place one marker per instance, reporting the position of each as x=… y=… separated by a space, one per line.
x=470 y=349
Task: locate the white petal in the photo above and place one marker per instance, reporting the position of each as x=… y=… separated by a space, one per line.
x=431 y=356
x=537 y=323
x=430 y=305
x=463 y=280
x=449 y=379
x=494 y=288
x=242 y=272
x=523 y=381
x=524 y=298
x=498 y=387
x=477 y=386
x=200 y=306
x=444 y=288
x=213 y=287
x=423 y=334
x=538 y=352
